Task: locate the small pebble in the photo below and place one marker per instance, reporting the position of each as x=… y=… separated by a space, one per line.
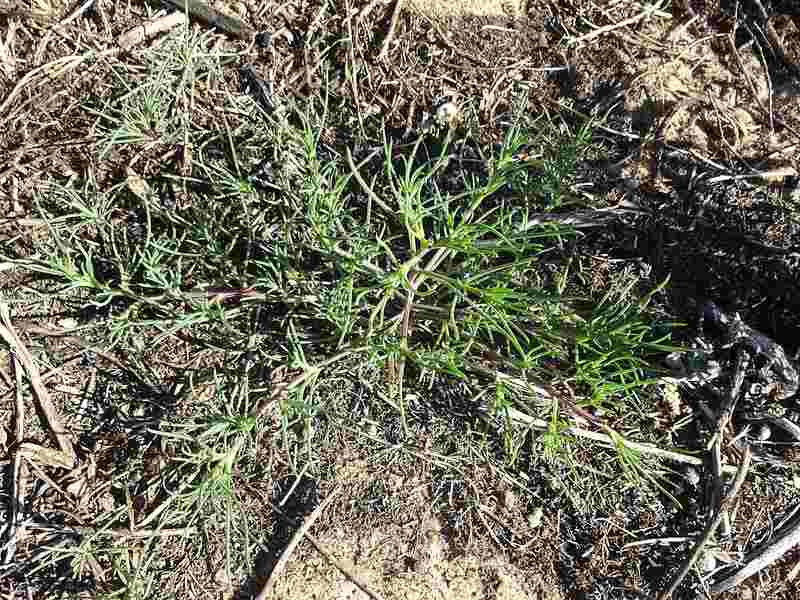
x=67 y=323
x=510 y=500
x=448 y=114
x=535 y=518
x=692 y=476
x=674 y=361
x=763 y=432
x=709 y=563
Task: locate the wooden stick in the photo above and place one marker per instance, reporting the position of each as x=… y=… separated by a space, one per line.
x=287 y=552
x=77 y=12
x=148 y=29
x=648 y=12
x=541 y=424
x=711 y=527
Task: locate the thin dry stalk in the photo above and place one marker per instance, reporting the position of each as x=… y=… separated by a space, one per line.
x=287 y=552
x=454 y=48
x=119 y=534
x=398 y=7
x=773 y=37
x=19 y=474
x=774 y=174
x=64 y=63
x=546 y=395
x=307 y=50
x=648 y=12
x=741 y=473
x=50 y=373
x=345 y=570
x=76 y=13
x=45 y=403
x=352 y=55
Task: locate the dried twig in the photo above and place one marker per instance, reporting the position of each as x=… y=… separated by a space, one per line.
x=651 y=541
x=542 y=425
x=118 y=533
x=398 y=7
x=148 y=29
x=45 y=403
x=353 y=68
x=65 y=63
x=741 y=473
x=729 y=403
x=762 y=558
x=287 y=552
x=344 y=569
x=780 y=173
x=62 y=65
x=717 y=484
x=19 y=473
x=772 y=35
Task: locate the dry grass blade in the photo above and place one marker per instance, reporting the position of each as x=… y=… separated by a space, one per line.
x=48 y=410
x=121 y=534
x=343 y=568
x=66 y=63
x=287 y=552
x=398 y=7
x=19 y=473
x=77 y=12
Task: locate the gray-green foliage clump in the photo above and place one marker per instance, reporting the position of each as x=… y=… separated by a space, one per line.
x=415 y=261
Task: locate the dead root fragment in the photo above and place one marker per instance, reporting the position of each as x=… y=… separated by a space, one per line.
x=764 y=557
x=296 y=538
x=149 y=29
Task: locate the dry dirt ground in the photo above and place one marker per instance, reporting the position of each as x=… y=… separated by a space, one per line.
x=694 y=97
